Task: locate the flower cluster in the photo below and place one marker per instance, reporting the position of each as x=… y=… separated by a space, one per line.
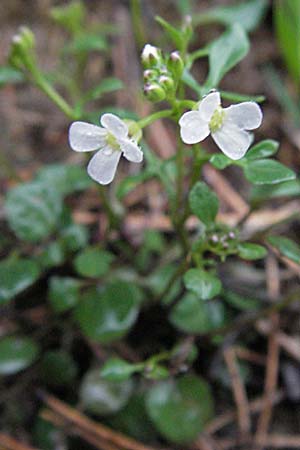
x=229 y=128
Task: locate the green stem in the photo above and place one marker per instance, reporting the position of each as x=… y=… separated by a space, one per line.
x=137 y=23
x=112 y=216
x=153 y=117
x=51 y=93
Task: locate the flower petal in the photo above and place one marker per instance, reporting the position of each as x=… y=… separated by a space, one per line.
x=232 y=140
x=209 y=104
x=85 y=137
x=115 y=125
x=102 y=167
x=193 y=128
x=131 y=150
x=246 y=115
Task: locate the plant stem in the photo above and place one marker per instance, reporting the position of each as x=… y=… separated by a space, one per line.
x=153 y=117
x=137 y=23
x=112 y=216
x=51 y=93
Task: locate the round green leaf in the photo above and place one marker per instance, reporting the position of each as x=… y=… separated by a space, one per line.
x=93 y=262
x=267 y=171
x=103 y=397
x=194 y=316
x=63 y=293
x=15 y=276
x=180 y=408
x=33 y=210
x=202 y=283
x=116 y=369
x=65 y=178
x=287 y=247
x=263 y=149
x=204 y=203
x=108 y=316
x=58 y=368
x=74 y=237
x=247 y=250
x=220 y=161
x=16 y=353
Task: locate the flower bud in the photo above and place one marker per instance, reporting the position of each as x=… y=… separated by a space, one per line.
x=154 y=92
x=21 y=49
x=149 y=74
x=151 y=56
x=166 y=83
x=175 y=64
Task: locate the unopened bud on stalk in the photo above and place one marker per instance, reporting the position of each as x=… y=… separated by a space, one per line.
x=167 y=83
x=175 y=64
x=149 y=74
x=154 y=92
x=21 y=48
x=151 y=56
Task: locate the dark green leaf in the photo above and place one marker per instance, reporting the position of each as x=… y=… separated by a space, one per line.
x=58 y=368
x=241 y=302
x=74 y=236
x=204 y=203
x=180 y=408
x=220 y=161
x=103 y=397
x=247 y=250
x=202 y=283
x=53 y=255
x=287 y=247
x=263 y=149
x=33 y=210
x=107 y=316
x=63 y=293
x=225 y=53
x=117 y=369
x=93 y=262
x=191 y=315
x=267 y=171
x=16 y=354
x=15 y=276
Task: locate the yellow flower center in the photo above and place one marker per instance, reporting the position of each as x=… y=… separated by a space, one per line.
x=112 y=142
x=217 y=120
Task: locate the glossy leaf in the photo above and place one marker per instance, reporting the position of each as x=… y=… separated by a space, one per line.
x=180 y=408
x=93 y=262
x=191 y=315
x=247 y=250
x=107 y=316
x=220 y=161
x=263 y=149
x=225 y=53
x=267 y=171
x=16 y=275
x=63 y=293
x=16 y=354
x=204 y=203
x=287 y=247
x=117 y=369
x=103 y=397
x=202 y=283
x=33 y=210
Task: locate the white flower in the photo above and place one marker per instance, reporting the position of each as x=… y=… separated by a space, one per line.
x=112 y=140
x=228 y=126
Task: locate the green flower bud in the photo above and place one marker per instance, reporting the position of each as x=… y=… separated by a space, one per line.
x=175 y=64
x=154 y=92
x=151 y=56
x=149 y=74
x=167 y=83
x=21 y=49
